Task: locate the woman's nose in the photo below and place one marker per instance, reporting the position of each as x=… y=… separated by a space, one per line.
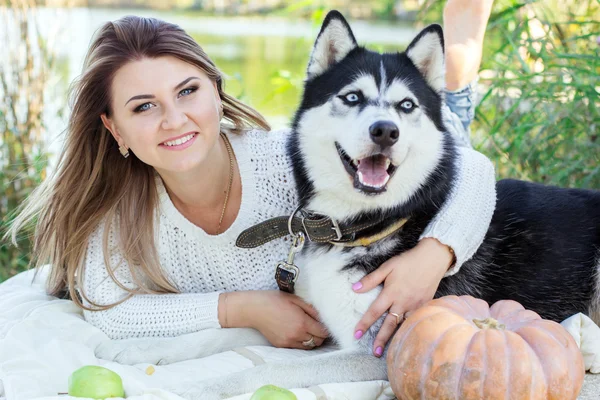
x=174 y=119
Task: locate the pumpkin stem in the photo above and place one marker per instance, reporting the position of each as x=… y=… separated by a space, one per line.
x=489 y=323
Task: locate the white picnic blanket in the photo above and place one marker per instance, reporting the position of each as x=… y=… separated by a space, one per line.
x=44 y=339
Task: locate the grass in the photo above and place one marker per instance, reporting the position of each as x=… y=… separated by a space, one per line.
x=539 y=117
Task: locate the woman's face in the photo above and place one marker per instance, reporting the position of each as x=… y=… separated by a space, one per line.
x=166 y=111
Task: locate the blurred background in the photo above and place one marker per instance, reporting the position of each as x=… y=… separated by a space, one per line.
x=538 y=117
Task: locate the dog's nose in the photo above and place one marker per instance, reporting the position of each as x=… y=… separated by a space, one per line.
x=384 y=133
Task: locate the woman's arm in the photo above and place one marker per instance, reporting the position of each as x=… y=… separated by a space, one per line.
x=465 y=23
x=412 y=278
x=141 y=315
x=451 y=238
x=284 y=319
x=463 y=220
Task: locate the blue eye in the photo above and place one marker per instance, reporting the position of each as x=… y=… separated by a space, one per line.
x=407 y=105
x=352 y=98
x=182 y=93
x=188 y=91
x=143 y=107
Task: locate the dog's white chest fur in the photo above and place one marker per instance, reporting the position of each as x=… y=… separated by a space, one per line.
x=324 y=284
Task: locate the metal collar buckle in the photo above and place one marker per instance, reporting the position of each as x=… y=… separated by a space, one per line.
x=336 y=228
x=303 y=215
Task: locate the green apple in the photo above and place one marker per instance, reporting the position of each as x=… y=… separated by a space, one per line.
x=272 y=392
x=95 y=382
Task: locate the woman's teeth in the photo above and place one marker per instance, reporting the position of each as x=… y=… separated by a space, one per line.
x=179 y=141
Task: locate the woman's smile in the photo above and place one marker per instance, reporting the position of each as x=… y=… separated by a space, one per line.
x=181 y=142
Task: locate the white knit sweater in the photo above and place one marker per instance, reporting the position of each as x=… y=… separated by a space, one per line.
x=201 y=266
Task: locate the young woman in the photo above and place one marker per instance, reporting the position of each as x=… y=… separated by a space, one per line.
x=140 y=218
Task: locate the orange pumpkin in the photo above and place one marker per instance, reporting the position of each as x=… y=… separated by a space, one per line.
x=460 y=348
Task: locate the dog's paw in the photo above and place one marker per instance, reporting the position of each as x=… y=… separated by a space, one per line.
x=134 y=351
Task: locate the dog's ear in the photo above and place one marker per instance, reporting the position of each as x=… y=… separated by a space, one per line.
x=426 y=51
x=334 y=42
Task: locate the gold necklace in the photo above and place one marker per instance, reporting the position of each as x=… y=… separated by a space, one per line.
x=230 y=154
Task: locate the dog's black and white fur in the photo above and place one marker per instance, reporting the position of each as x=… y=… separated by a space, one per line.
x=543 y=245
x=384 y=110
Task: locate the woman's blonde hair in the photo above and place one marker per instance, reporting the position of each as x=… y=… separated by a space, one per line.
x=93 y=183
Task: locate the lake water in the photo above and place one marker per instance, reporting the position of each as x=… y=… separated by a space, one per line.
x=264 y=58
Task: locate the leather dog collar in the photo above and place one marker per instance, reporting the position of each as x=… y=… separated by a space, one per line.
x=317 y=228
x=366 y=241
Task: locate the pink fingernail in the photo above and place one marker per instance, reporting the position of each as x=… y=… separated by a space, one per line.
x=379 y=351
x=358 y=334
x=357 y=286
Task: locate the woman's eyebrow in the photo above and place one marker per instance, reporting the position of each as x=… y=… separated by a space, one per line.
x=185 y=81
x=150 y=96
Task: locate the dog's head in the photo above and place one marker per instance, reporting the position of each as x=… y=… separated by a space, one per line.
x=369 y=131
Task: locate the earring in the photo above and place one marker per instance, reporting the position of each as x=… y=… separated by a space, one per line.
x=124 y=151
x=221 y=113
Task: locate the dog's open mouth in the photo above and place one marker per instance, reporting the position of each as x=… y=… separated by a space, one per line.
x=370 y=174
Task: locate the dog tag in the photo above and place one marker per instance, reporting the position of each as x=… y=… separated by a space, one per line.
x=286 y=273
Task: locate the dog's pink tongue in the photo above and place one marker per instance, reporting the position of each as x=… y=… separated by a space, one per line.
x=373 y=171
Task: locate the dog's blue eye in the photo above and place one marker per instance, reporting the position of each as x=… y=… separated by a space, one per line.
x=352 y=97
x=407 y=105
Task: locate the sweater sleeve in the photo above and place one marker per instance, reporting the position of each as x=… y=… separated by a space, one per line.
x=464 y=219
x=142 y=315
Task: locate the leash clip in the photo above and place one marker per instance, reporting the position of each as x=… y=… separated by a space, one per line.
x=286 y=272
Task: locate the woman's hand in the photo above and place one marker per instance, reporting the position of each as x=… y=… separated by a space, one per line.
x=283 y=318
x=410 y=280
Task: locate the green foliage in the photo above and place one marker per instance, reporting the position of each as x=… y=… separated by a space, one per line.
x=24 y=73
x=539 y=119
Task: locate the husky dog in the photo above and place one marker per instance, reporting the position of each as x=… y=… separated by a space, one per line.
x=368 y=144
